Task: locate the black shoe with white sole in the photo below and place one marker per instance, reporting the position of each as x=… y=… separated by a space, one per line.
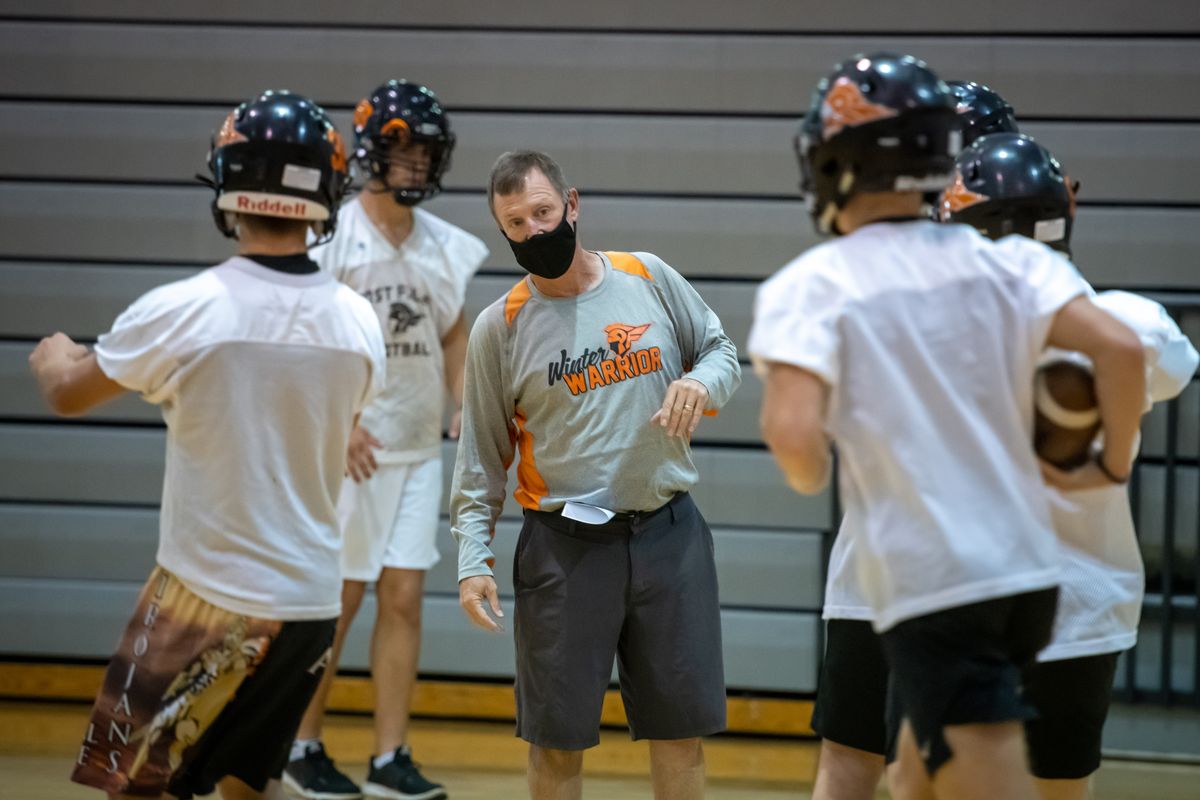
x=401 y=780
x=314 y=777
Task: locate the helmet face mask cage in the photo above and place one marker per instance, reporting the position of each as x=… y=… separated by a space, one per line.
x=376 y=164
x=277 y=156
x=914 y=152
x=880 y=123
x=401 y=113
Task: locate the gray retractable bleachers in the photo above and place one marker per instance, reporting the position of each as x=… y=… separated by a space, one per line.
x=855 y=16
x=674 y=118
x=704 y=237
x=1117 y=162
x=618 y=72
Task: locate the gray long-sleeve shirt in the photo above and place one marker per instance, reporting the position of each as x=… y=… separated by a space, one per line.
x=571 y=383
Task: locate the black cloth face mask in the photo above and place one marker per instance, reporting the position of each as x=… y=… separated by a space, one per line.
x=547 y=255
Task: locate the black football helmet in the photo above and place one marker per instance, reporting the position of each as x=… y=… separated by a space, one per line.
x=982 y=111
x=399 y=111
x=278 y=156
x=1007 y=183
x=877 y=123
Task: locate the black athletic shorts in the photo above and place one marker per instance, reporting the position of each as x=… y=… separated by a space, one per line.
x=196 y=693
x=1072 y=699
x=963 y=665
x=852 y=690
x=642 y=588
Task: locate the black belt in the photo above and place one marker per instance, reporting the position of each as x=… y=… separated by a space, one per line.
x=621 y=520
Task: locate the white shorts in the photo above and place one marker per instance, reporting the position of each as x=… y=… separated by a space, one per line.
x=391 y=519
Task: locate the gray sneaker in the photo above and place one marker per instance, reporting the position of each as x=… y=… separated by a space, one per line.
x=314 y=777
x=401 y=780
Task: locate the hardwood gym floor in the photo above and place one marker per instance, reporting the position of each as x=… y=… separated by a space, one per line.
x=479 y=760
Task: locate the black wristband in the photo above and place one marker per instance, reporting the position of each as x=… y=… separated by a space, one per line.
x=1100 y=465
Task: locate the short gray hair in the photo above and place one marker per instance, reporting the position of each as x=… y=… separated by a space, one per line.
x=511 y=169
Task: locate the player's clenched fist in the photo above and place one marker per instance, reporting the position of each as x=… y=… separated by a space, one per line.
x=55 y=348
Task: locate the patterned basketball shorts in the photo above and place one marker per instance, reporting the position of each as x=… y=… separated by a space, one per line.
x=195 y=693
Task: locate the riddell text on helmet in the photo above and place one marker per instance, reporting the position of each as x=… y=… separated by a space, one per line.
x=272 y=207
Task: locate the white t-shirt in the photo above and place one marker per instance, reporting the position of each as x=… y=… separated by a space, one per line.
x=259 y=374
x=928 y=336
x=1102 y=580
x=417 y=291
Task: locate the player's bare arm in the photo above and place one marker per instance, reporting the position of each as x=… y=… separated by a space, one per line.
x=68 y=376
x=683 y=406
x=473 y=594
x=793 y=426
x=1119 y=366
x=454 y=350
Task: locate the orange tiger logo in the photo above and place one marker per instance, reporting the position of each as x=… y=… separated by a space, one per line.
x=362 y=113
x=956 y=197
x=621 y=337
x=338 y=159
x=228 y=133
x=845 y=105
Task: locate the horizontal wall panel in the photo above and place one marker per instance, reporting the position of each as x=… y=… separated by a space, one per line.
x=19 y=396
x=19 y=399
x=773 y=569
x=768 y=651
x=1071 y=16
x=1063 y=78
x=1116 y=162
x=82 y=300
x=738 y=488
x=77 y=542
x=1125 y=162
x=39 y=298
x=744 y=239
x=84 y=619
x=635 y=153
x=761 y=569
x=81 y=464
x=87 y=464
x=1116 y=247
x=701 y=238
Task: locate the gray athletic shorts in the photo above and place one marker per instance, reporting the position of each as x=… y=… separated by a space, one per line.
x=642 y=587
